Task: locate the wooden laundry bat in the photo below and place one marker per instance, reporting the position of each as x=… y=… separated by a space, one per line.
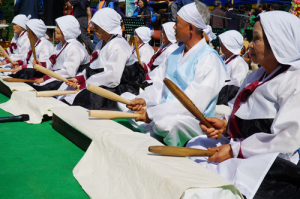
x=4 y=53
x=137 y=50
x=32 y=44
x=17 y=80
x=111 y=114
x=107 y=94
x=5 y=70
x=187 y=103
x=55 y=93
x=179 y=151
x=50 y=73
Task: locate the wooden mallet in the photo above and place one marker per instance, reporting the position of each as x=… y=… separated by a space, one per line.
x=137 y=50
x=50 y=73
x=4 y=53
x=5 y=70
x=17 y=80
x=32 y=43
x=187 y=103
x=179 y=151
x=111 y=114
x=54 y=93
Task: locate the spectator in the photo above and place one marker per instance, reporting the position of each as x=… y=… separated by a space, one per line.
x=262 y=7
x=35 y=8
x=215 y=21
x=82 y=12
x=144 y=10
x=172 y=8
x=181 y=3
x=153 y=18
x=250 y=24
x=274 y=6
x=234 y=22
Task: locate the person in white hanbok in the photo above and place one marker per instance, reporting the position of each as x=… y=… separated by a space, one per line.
x=237 y=69
x=20 y=43
x=259 y=148
x=69 y=56
x=43 y=50
x=107 y=63
x=195 y=68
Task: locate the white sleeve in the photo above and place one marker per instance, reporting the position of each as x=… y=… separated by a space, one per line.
x=22 y=51
x=146 y=53
x=238 y=73
x=207 y=83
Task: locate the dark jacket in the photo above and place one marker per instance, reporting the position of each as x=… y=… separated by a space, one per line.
x=218 y=22
x=182 y=3
x=172 y=8
x=35 y=8
x=234 y=23
x=147 y=19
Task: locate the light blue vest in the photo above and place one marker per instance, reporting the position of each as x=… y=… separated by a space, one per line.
x=182 y=76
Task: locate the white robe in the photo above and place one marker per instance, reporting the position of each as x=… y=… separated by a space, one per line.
x=171 y=120
x=112 y=58
x=146 y=52
x=23 y=45
x=277 y=99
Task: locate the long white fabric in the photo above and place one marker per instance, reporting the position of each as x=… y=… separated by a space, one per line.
x=15 y=86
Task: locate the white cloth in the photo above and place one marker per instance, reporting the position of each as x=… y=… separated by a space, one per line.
x=237 y=70
x=109 y=20
x=23 y=45
x=146 y=52
x=15 y=86
x=190 y=14
x=144 y=33
x=170 y=31
x=37 y=26
x=69 y=26
x=112 y=58
x=21 y=20
x=232 y=40
x=26 y=102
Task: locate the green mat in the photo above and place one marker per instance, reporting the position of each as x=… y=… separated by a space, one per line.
x=36 y=161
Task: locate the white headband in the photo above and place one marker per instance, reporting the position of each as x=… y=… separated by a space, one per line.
x=232 y=40
x=144 y=33
x=190 y=14
x=170 y=31
x=69 y=26
x=37 y=26
x=21 y=20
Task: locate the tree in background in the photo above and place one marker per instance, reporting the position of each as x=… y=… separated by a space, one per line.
x=8 y=10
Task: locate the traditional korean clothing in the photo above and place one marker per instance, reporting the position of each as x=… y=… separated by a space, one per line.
x=263 y=127
x=237 y=68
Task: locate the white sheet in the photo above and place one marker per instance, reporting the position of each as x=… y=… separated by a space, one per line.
x=16 y=86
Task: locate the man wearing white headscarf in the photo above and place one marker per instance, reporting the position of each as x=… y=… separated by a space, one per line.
x=143 y=35
x=20 y=43
x=196 y=69
x=237 y=69
x=261 y=155
x=69 y=56
x=43 y=48
x=106 y=66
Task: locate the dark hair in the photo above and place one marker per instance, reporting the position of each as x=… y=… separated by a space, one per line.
x=248 y=7
x=145 y=2
x=263 y=5
x=229 y=5
x=217 y=3
x=264 y=34
x=274 y=6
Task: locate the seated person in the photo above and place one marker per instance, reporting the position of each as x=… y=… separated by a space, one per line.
x=43 y=50
x=195 y=68
x=20 y=43
x=237 y=69
x=69 y=56
x=259 y=148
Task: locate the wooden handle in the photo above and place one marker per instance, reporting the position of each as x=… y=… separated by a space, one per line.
x=187 y=103
x=31 y=43
x=179 y=151
x=54 y=93
x=50 y=73
x=111 y=114
x=17 y=80
x=5 y=70
x=4 y=53
x=107 y=94
x=137 y=50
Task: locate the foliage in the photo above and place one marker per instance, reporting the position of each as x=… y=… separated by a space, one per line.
x=295 y=9
x=8 y=10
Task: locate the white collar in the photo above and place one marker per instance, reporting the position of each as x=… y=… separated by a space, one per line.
x=190 y=52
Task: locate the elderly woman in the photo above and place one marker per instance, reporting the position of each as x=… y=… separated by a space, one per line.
x=260 y=157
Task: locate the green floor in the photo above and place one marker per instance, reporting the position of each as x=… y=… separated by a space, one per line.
x=36 y=161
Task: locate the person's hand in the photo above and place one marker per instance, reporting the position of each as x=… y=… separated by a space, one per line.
x=1 y=54
x=14 y=64
x=39 y=81
x=16 y=69
x=223 y=153
x=143 y=116
x=36 y=62
x=91 y=25
x=219 y=126
x=137 y=104
x=73 y=83
x=3 y=62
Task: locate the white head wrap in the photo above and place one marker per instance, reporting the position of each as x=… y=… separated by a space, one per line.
x=190 y=14
x=109 y=20
x=144 y=33
x=282 y=31
x=37 y=26
x=21 y=20
x=170 y=31
x=69 y=26
x=232 y=40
